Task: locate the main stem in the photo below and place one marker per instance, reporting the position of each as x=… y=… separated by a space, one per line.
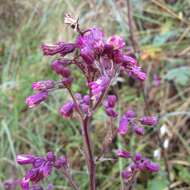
x=89 y=153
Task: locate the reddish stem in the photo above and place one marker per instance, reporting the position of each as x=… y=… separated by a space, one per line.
x=89 y=154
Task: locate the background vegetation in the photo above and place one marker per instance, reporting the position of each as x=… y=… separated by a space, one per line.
x=162 y=30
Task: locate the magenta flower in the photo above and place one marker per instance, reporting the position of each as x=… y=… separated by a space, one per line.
x=149 y=120
x=43 y=85
x=61 y=48
x=36 y=99
x=123 y=126
x=67 y=109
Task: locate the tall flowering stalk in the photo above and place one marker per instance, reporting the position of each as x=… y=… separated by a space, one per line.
x=100 y=61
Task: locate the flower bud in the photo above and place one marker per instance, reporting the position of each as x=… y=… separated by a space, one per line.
x=137 y=73
x=50 y=156
x=25 y=183
x=111 y=101
x=61 y=48
x=67 y=81
x=138 y=157
x=138 y=130
x=130 y=114
x=61 y=162
x=47 y=169
x=67 y=109
x=123 y=126
x=25 y=159
x=152 y=167
x=85 y=108
x=123 y=154
x=149 y=120
x=127 y=173
x=43 y=85
x=86 y=99
x=110 y=112
x=35 y=175
x=36 y=99
x=38 y=162
x=60 y=67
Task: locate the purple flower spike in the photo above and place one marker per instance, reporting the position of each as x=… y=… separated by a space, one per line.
x=43 y=85
x=123 y=126
x=61 y=48
x=36 y=99
x=123 y=154
x=149 y=120
x=116 y=42
x=152 y=167
x=67 y=109
x=25 y=159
